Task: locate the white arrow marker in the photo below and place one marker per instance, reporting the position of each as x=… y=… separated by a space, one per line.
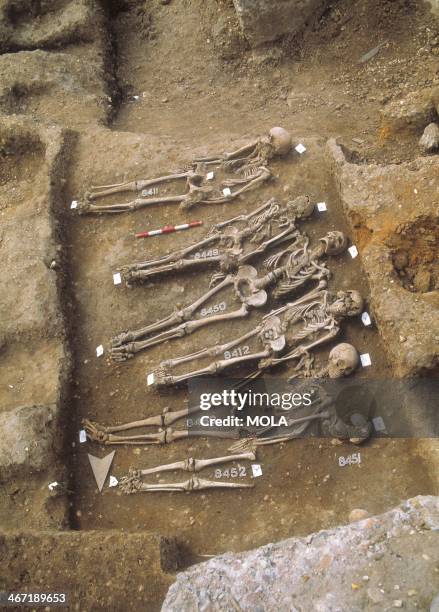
x=101 y=467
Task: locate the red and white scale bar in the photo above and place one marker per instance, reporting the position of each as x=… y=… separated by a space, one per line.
x=169 y=229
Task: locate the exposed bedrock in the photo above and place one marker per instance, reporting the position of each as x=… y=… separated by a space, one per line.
x=383 y=562
x=393 y=211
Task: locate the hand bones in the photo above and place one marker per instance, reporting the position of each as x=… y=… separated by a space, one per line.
x=300 y=266
x=250 y=161
x=266 y=227
x=285 y=334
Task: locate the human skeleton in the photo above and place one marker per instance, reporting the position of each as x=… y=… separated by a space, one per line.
x=285 y=334
x=229 y=244
x=133 y=482
x=342 y=361
x=289 y=270
x=250 y=162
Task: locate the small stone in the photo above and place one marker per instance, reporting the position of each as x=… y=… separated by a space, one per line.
x=358 y=514
x=422 y=281
x=400 y=260
x=375 y=595
x=429 y=141
x=165 y=100
x=411 y=592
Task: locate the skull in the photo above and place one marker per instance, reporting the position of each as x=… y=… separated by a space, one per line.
x=342 y=361
x=335 y=243
x=301 y=207
x=346 y=304
x=280 y=140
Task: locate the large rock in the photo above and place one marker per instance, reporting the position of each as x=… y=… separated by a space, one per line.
x=47 y=25
x=27 y=440
x=59 y=87
x=265 y=20
x=388 y=561
x=411 y=112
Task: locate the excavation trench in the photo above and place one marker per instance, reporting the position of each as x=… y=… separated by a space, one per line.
x=303 y=488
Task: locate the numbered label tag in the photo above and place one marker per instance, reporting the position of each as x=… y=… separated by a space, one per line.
x=82 y=436
x=210 y=176
x=211 y=310
x=354 y=459
x=117 y=278
x=321 y=206
x=227 y=191
x=74 y=204
x=234 y=472
x=300 y=148
x=150 y=379
x=237 y=352
x=99 y=350
x=256 y=470
x=205 y=254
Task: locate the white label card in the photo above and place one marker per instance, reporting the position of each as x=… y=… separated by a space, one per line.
x=366 y=319
x=99 y=350
x=74 y=204
x=150 y=379
x=300 y=148
x=378 y=423
x=117 y=278
x=256 y=470
x=210 y=175
x=321 y=206
x=365 y=360
x=82 y=436
x=353 y=251
x=227 y=191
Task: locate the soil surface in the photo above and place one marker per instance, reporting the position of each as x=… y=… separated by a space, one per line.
x=182 y=82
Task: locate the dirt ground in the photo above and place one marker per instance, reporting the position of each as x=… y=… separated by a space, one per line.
x=185 y=83
x=183 y=89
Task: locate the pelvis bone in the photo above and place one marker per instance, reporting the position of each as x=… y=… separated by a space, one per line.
x=285 y=334
x=229 y=244
x=289 y=270
x=250 y=162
